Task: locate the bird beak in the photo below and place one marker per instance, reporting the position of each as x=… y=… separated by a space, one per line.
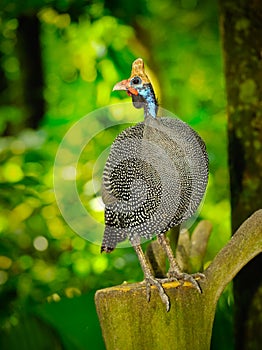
x=125 y=85
x=122 y=85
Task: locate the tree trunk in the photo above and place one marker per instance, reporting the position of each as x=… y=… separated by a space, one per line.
x=129 y=322
x=241 y=24
x=29 y=51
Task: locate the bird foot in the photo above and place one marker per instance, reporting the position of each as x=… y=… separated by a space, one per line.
x=185 y=277
x=151 y=281
x=172 y=276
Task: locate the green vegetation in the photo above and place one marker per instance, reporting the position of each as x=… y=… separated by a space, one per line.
x=86 y=47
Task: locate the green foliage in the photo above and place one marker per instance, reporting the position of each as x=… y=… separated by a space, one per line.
x=78 y=329
x=223 y=337
x=29 y=332
x=86 y=48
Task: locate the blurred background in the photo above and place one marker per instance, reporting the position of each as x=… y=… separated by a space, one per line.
x=59 y=60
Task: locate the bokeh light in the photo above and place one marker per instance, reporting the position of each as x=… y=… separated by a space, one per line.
x=40 y=243
x=85 y=48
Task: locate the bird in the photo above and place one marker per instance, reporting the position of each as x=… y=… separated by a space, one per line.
x=154 y=178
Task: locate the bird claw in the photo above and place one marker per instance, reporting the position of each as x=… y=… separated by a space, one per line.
x=172 y=276
x=185 y=277
x=151 y=281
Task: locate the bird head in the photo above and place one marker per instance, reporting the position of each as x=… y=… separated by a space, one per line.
x=139 y=87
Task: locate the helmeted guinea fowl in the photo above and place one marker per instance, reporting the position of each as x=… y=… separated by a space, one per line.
x=155 y=178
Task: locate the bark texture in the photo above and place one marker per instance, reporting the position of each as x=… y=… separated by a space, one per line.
x=241 y=25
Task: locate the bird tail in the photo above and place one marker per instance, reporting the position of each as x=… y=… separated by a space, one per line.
x=112 y=236
x=106 y=249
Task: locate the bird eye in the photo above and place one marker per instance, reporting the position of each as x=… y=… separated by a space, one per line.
x=136 y=81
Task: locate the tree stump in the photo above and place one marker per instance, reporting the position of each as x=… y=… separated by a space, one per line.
x=128 y=321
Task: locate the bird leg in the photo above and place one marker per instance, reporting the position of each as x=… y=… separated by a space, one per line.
x=149 y=277
x=174 y=272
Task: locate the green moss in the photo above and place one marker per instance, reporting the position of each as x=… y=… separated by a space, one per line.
x=257 y=144
x=239 y=133
x=248 y=91
x=242 y=24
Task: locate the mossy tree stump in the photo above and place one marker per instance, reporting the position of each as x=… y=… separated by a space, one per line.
x=128 y=321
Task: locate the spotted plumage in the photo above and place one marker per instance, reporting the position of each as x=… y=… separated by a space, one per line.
x=154 y=179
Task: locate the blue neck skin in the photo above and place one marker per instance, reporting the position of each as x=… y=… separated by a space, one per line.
x=148 y=101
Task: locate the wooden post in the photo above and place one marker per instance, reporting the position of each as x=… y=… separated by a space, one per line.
x=129 y=322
